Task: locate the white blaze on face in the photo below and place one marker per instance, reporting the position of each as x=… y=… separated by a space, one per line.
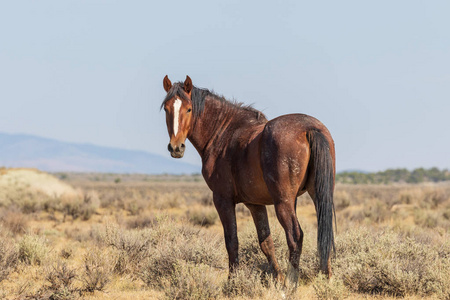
x=176 y=115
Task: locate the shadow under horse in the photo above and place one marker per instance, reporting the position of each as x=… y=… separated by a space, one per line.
x=248 y=159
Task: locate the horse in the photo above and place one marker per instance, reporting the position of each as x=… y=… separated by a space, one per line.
x=251 y=160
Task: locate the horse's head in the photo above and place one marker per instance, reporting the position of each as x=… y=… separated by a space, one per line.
x=178 y=108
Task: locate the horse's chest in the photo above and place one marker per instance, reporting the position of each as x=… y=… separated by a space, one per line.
x=218 y=177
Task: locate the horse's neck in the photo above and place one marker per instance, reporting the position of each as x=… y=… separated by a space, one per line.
x=209 y=130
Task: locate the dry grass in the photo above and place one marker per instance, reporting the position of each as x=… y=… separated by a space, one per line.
x=8 y=255
x=159 y=237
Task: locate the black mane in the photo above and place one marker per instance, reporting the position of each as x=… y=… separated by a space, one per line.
x=199 y=95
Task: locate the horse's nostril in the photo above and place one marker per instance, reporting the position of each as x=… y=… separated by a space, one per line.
x=176 y=149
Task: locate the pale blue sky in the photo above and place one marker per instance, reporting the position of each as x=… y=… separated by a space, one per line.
x=377 y=74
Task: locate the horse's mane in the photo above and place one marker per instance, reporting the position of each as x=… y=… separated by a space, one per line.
x=199 y=95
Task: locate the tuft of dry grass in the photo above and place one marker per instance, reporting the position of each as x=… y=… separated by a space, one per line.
x=32 y=249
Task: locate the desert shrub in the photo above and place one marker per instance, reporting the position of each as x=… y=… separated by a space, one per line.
x=174 y=243
x=386 y=263
x=244 y=282
x=157 y=270
x=32 y=249
x=202 y=216
x=135 y=201
x=429 y=219
x=59 y=284
x=141 y=221
x=25 y=200
x=341 y=199
x=91 y=203
x=30 y=204
x=197 y=246
x=131 y=247
x=66 y=252
x=207 y=200
x=446 y=214
x=329 y=289
x=436 y=197
x=97 y=270
x=8 y=255
x=192 y=281
x=78 y=207
x=14 y=220
x=93 y=234
x=376 y=211
x=168 y=200
x=135 y=206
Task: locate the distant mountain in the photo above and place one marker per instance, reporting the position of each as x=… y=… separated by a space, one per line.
x=27 y=151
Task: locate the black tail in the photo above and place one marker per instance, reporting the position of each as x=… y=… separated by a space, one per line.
x=323 y=173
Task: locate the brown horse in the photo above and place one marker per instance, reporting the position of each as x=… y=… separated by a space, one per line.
x=248 y=159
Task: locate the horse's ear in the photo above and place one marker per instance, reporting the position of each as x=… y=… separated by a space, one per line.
x=188 y=85
x=167 y=84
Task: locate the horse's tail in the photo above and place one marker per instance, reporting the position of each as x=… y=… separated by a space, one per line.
x=323 y=172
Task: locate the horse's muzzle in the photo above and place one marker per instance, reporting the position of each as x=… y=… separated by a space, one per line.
x=176 y=151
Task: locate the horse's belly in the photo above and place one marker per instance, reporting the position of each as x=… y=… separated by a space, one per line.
x=248 y=176
x=254 y=191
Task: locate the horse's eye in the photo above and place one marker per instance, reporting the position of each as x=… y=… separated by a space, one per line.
x=189 y=110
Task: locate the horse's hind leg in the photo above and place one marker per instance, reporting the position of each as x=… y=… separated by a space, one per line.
x=285 y=209
x=259 y=214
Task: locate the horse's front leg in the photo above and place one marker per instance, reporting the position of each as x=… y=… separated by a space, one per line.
x=227 y=212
